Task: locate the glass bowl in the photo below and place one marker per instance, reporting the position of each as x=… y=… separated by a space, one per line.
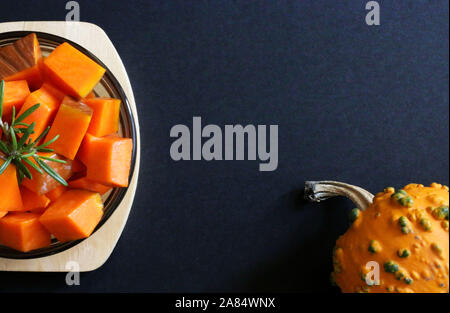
x=107 y=87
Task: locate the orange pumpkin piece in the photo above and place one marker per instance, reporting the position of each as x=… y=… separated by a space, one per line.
x=3 y=213
x=23 y=231
x=16 y=92
x=107 y=159
x=56 y=193
x=74 y=215
x=33 y=202
x=22 y=61
x=49 y=104
x=43 y=183
x=105 y=119
x=10 y=198
x=86 y=184
x=71 y=123
x=72 y=71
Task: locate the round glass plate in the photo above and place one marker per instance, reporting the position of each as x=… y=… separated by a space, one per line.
x=107 y=87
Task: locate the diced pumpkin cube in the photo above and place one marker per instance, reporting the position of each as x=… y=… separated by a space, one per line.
x=105 y=119
x=72 y=71
x=23 y=231
x=33 y=202
x=44 y=183
x=74 y=215
x=22 y=61
x=16 y=92
x=108 y=159
x=10 y=198
x=56 y=193
x=86 y=184
x=71 y=123
x=49 y=105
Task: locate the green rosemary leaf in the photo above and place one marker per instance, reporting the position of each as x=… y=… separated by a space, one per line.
x=33 y=165
x=2 y=92
x=4 y=147
x=26 y=134
x=22 y=168
x=22 y=124
x=47 y=143
x=13 y=119
x=38 y=139
x=5 y=165
x=45 y=150
x=27 y=113
x=50 y=171
x=52 y=159
x=20 y=177
x=13 y=138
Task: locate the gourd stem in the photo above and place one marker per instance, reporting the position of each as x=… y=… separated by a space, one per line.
x=317 y=191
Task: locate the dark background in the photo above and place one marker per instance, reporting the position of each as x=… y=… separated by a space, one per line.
x=364 y=105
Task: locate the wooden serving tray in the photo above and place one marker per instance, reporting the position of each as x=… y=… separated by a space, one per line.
x=93 y=252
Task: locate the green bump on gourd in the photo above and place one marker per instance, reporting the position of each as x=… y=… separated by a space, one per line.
x=441 y=213
x=403 y=253
x=403 y=221
x=406 y=230
x=445 y=225
x=391 y=267
x=436 y=248
x=408 y=280
x=403 y=198
x=399 y=275
x=425 y=223
x=353 y=215
x=374 y=246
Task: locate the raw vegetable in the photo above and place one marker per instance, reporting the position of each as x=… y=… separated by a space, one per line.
x=115 y=155
x=22 y=231
x=405 y=237
x=17 y=148
x=86 y=184
x=74 y=215
x=22 y=61
x=71 y=123
x=72 y=71
x=54 y=194
x=105 y=119
x=10 y=198
x=43 y=183
x=49 y=105
x=33 y=202
x=15 y=95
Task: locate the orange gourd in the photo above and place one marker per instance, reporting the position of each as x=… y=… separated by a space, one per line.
x=23 y=231
x=49 y=105
x=22 y=60
x=115 y=155
x=33 y=202
x=43 y=183
x=71 y=123
x=86 y=184
x=10 y=198
x=54 y=194
x=105 y=118
x=404 y=231
x=72 y=71
x=16 y=92
x=74 y=215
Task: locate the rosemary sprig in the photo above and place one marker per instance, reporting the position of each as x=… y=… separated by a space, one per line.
x=21 y=150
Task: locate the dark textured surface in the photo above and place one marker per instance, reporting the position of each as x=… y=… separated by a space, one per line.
x=365 y=105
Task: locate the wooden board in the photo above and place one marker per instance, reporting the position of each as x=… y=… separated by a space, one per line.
x=94 y=251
